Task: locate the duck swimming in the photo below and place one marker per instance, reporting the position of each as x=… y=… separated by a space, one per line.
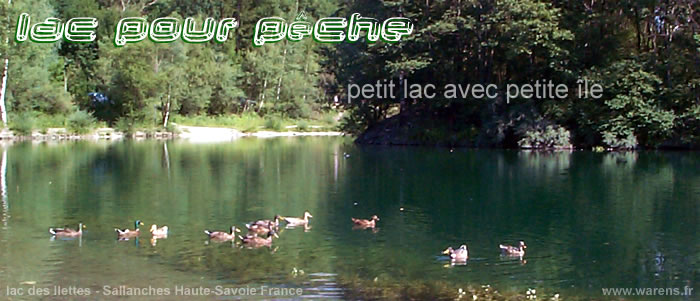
x=514 y=251
x=257 y=242
x=365 y=223
x=221 y=235
x=125 y=234
x=261 y=230
x=295 y=221
x=67 y=232
x=161 y=232
x=265 y=222
x=461 y=254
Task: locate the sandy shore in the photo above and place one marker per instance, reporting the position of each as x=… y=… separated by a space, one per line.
x=215 y=134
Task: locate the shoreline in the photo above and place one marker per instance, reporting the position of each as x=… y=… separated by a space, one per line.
x=219 y=134
x=190 y=133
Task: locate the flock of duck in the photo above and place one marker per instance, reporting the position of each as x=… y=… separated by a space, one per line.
x=261 y=232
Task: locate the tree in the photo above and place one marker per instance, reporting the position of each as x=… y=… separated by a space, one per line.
x=30 y=85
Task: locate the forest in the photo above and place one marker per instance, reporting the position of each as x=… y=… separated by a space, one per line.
x=645 y=54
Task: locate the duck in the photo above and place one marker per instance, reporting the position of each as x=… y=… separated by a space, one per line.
x=296 y=221
x=221 y=235
x=265 y=222
x=253 y=241
x=365 y=223
x=514 y=251
x=259 y=229
x=67 y=232
x=461 y=254
x=125 y=234
x=161 y=232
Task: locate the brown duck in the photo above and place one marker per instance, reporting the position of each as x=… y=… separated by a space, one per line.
x=365 y=223
x=260 y=230
x=221 y=235
x=514 y=251
x=125 y=234
x=67 y=232
x=257 y=242
x=265 y=222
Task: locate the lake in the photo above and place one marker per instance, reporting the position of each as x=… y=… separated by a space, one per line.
x=590 y=220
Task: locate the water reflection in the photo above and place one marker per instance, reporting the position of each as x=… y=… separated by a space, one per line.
x=590 y=220
x=3 y=189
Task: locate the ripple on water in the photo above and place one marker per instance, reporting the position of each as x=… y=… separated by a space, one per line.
x=588 y=221
x=322 y=286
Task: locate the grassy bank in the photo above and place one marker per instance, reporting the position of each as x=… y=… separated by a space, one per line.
x=79 y=122
x=251 y=122
x=82 y=123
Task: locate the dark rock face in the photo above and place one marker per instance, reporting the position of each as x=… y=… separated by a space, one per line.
x=400 y=131
x=386 y=132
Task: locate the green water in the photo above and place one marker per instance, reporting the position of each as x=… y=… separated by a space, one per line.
x=590 y=220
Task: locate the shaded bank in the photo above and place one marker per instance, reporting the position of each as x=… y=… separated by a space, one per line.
x=413 y=129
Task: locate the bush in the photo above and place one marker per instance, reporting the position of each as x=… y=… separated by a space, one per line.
x=550 y=136
x=22 y=124
x=124 y=125
x=633 y=110
x=330 y=120
x=625 y=140
x=303 y=126
x=353 y=123
x=273 y=123
x=80 y=122
x=43 y=122
x=172 y=128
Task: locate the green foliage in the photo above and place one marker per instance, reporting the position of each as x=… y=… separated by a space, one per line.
x=125 y=125
x=171 y=128
x=539 y=136
x=43 y=121
x=273 y=122
x=632 y=108
x=689 y=122
x=648 y=69
x=31 y=84
x=620 y=139
x=22 y=124
x=354 y=123
x=530 y=29
x=243 y=121
x=330 y=119
x=80 y=122
x=303 y=126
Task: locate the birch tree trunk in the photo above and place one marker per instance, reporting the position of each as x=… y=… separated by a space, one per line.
x=279 y=81
x=167 y=112
x=166 y=109
x=262 y=101
x=3 y=87
x=284 y=62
